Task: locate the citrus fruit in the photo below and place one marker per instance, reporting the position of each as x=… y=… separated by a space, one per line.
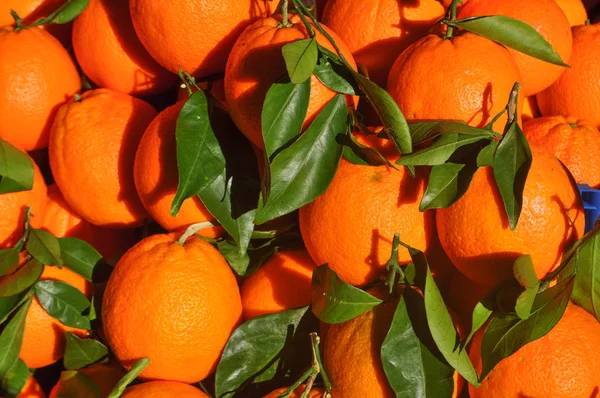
x=32 y=10
x=548 y=19
x=478 y=76
x=110 y=53
x=248 y=77
x=574 y=142
x=281 y=283
x=156 y=176
x=176 y=304
x=377 y=31
x=475 y=231
x=564 y=363
x=171 y=31
x=575 y=93
x=574 y=10
x=92 y=151
x=530 y=109
x=315 y=392
x=163 y=389
x=106 y=377
x=37 y=77
x=32 y=389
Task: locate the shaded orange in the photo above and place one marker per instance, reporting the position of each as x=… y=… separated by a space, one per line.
x=37 y=77
x=574 y=10
x=175 y=304
x=575 y=93
x=476 y=235
x=92 y=150
x=32 y=389
x=462 y=296
x=530 y=109
x=548 y=19
x=466 y=78
x=32 y=10
x=106 y=376
x=256 y=62
x=163 y=389
x=315 y=392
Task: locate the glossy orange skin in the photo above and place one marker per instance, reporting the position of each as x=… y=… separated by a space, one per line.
x=193 y=35
x=32 y=389
x=565 y=363
x=187 y=299
x=576 y=91
x=37 y=76
x=92 y=150
x=110 y=53
x=44 y=336
x=106 y=376
x=385 y=29
x=156 y=176
x=314 y=392
x=575 y=142
x=476 y=235
x=282 y=283
x=31 y=11
x=249 y=75
x=548 y=19
x=163 y=389
x=475 y=85
x=574 y=10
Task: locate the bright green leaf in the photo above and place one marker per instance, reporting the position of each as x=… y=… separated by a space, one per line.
x=44 y=247
x=63 y=302
x=81 y=258
x=11 y=339
x=13 y=381
x=137 y=368
x=16 y=169
x=22 y=280
x=80 y=353
x=586 y=258
x=300 y=57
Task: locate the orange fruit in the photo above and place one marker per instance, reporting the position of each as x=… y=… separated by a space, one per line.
x=249 y=75
x=92 y=150
x=37 y=77
x=31 y=11
x=157 y=178
x=475 y=85
x=530 y=109
x=110 y=53
x=282 y=283
x=44 y=336
x=13 y=209
x=32 y=389
x=548 y=19
x=315 y=392
x=352 y=225
x=574 y=10
x=475 y=231
x=386 y=28
x=574 y=142
x=170 y=31
x=106 y=376
x=564 y=363
x=175 y=304
x=163 y=389
x=575 y=93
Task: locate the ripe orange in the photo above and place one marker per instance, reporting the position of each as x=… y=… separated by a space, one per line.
x=574 y=142
x=530 y=109
x=575 y=93
x=13 y=209
x=175 y=304
x=171 y=31
x=163 y=389
x=92 y=149
x=574 y=10
x=352 y=225
x=31 y=11
x=37 y=77
x=110 y=53
x=315 y=392
x=564 y=363
x=548 y=19
x=156 y=176
x=32 y=389
x=106 y=376
x=249 y=75
x=475 y=232
x=466 y=78
x=44 y=337
x=282 y=283
x=377 y=31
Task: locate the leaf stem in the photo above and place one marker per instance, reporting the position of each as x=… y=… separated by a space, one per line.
x=18 y=20
x=451 y=18
x=293 y=387
x=392 y=266
x=26 y=229
x=511 y=107
x=316 y=340
x=285 y=22
x=192 y=230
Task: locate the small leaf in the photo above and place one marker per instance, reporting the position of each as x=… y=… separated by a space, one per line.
x=486 y=155
x=525 y=301
x=11 y=338
x=63 y=302
x=331 y=77
x=137 y=368
x=80 y=353
x=360 y=154
x=447 y=184
x=237 y=259
x=44 y=247
x=301 y=57
x=481 y=314
x=67 y=13
x=586 y=291
x=81 y=258
x=16 y=169
x=14 y=380
x=9 y=260
x=22 y=280
x=524 y=272
x=513 y=34
x=442 y=149
x=335 y=301
x=76 y=384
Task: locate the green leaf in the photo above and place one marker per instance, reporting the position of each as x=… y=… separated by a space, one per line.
x=22 y=280
x=335 y=301
x=525 y=302
x=9 y=304
x=283 y=114
x=481 y=313
x=81 y=258
x=16 y=169
x=63 y=302
x=512 y=162
x=137 y=368
x=331 y=76
x=9 y=261
x=237 y=259
x=44 y=247
x=300 y=57
x=524 y=271
x=447 y=184
x=442 y=149
x=304 y=170
x=11 y=339
x=586 y=291
x=68 y=12
x=513 y=34
x=486 y=155
x=13 y=381
x=426 y=131
x=199 y=156
x=75 y=384
x=360 y=154
x=80 y=353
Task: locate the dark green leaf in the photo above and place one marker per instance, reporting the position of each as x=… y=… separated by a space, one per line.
x=513 y=34
x=304 y=170
x=22 y=280
x=9 y=260
x=13 y=381
x=9 y=304
x=237 y=259
x=80 y=353
x=137 y=368
x=12 y=338
x=81 y=258
x=44 y=247
x=16 y=169
x=357 y=153
x=75 y=384
x=425 y=131
x=331 y=78
x=300 y=57
x=586 y=292
x=447 y=184
x=63 y=302
x=486 y=155
x=440 y=151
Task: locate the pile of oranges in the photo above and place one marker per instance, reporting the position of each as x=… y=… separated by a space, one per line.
x=206 y=199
